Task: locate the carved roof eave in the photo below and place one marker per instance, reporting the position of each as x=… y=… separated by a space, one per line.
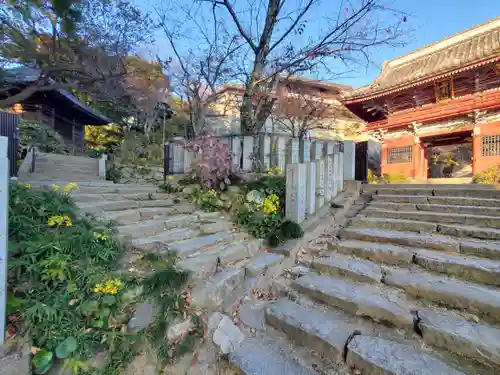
x=373 y=94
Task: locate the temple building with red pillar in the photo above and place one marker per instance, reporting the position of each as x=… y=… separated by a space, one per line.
x=441 y=95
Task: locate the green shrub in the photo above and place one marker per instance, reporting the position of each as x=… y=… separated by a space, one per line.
x=114 y=173
x=395 y=178
x=208 y=200
x=65 y=289
x=291 y=229
x=43 y=137
x=490 y=176
x=372 y=177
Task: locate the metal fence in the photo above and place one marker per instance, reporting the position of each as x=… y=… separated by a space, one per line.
x=9 y=127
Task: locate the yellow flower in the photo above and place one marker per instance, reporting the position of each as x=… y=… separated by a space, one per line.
x=108 y=287
x=59 y=221
x=274 y=171
x=171 y=178
x=55 y=187
x=70 y=186
x=271 y=204
x=28 y=186
x=101 y=236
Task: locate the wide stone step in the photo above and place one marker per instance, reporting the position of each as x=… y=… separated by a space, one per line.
x=475 y=341
x=436 y=242
x=400 y=198
x=149 y=243
x=479 y=270
x=339 y=265
x=78 y=196
x=153 y=226
x=442 y=208
x=215 y=290
x=373 y=355
x=464 y=201
x=393 y=224
x=380 y=253
x=447 y=291
x=359 y=299
x=258 y=356
x=123 y=205
x=435 y=217
x=469 y=191
x=191 y=246
x=469 y=231
x=322 y=331
x=200 y=267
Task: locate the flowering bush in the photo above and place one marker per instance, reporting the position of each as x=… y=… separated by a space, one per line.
x=274 y=171
x=489 y=176
x=213 y=164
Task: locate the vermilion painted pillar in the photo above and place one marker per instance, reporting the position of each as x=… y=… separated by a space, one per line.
x=476 y=148
x=417 y=158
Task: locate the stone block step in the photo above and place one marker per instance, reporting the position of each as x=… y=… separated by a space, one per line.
x=215 y=290
x=447 y=291
x=440 y=200
x=262 y=262
x=443 y=191
x=191 y=246
x=153 y=226
x=464 y=201
x=442 y=208
x=149 y=243
x=435 y=217
x=400 y=198
x=78 y=196
x=122 y=205
x=200 y=267
x=361 y=299
x=340 y=265
x=393 y=224
x=479 y=342
x=373 y=355
x=475 y=269
x=380 y=253
x=124 y=217
x=469 y=231
x=324 y=332
x=261 y=356
x=229 y=254
x=426 y=241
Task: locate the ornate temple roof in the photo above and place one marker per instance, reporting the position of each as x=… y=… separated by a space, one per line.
x=464 y=50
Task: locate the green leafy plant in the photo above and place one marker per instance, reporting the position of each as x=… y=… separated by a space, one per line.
x=45 y=138
x=491 y=176
x=114 y=173
x=58 y=292
x=208 y=200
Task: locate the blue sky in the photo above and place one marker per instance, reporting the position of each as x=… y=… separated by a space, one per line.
x=431 y=20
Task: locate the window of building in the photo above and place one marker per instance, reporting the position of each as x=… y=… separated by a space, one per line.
x=444 y=89
x=397 y=155
x=491 y=145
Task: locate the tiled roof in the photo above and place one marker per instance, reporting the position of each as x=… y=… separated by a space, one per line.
x=467 y=48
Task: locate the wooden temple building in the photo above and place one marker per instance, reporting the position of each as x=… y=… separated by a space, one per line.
x=446 y=93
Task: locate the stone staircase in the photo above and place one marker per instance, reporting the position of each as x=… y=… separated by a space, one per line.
x=63 y=167
x=222 y=260
x=408 y=286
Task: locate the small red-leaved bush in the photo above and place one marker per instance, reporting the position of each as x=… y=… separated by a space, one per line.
x=213 y=161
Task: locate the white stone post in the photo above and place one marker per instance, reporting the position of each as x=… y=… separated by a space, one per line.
x=305 y=157
x=349 y=160
x=247 y=153
x=265 y=151
x=281 y=153
x=336 y=183
x=188 y=160
x=236 y=150
x=341 y=168
x=292 y=154
x=4 y=211
x=317 y=156
x=295 y=208
x=102 y=166
x=329 y=172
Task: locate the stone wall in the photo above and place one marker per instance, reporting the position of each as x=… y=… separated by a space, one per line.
x=141 y=174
